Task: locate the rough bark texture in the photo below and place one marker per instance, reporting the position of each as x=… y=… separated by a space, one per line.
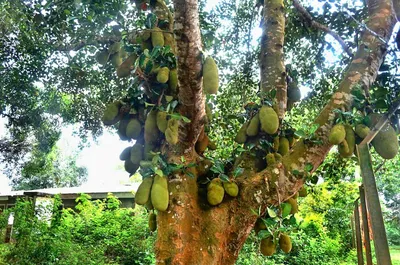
x=272 y=65
x=190 y=231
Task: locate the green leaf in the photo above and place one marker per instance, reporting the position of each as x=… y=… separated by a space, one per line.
x=185 y=119
x=159 y=172
x=151 y=21
x=300 y=133
x=286 y=208
x=263 y=234
x=271 y=212
x=238 y=171
x=309 y=167
x=224 y=177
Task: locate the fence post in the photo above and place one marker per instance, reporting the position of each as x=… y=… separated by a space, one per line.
x=364 y=215
x=360 y=257
x=374 y=207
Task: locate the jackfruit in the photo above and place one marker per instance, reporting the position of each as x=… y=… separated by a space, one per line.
x=157 y=37
x=173 y=80
x=162 y=122
x=133 y=129
x=285 y=243
x=145 y=35
x=293 y=92
x=142 y=195
x=201 y=145
x=215 y=192
x=269 y=120
x=163 y=75
x=130 y=167
x=350 y=139
x=148 y=205
x=252 y=129
x=169 y=40
x=293 y=203
x=231 y=188
x=122 y=129
x=362 y=130
x=386 y=143
x=283 y=146
x=210 y=76
x=203 y=167
x=241 y=136
x=337 y=134
x=172 y=132
x=150 y=127
x=259 y=225
x=102 y=57
x=146 y=164
x=303 y=192
x=208 y=113
x=125 y=154
x=270 y=159
x=116 y=59
x=159 y=193
x=152 y=222
x=275 y=144
x=111 y=113
x=124 y=69
x=291 y=141
x=278 y=157
x=136 y=153
x=114 y=48
x=267 y=246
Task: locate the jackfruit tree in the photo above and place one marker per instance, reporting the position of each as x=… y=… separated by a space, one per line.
x=166 y=81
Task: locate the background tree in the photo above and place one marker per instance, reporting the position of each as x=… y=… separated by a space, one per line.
x=56 y=43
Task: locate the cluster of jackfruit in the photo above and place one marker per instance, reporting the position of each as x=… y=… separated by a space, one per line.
x=113 y=53
x=385 y=142
x=268 y=245
x=153 y=193
x=217 y=189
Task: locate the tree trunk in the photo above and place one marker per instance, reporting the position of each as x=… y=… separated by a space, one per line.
x=191 y=232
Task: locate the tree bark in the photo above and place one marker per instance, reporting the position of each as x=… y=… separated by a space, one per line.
x=191 y=232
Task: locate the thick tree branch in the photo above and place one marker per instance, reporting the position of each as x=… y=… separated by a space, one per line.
x=272 y=66
x=189 y=46
x=83 y=43
x=312 y=23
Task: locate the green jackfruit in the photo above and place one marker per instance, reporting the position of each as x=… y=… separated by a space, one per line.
x=291 y=141
x=130 y=167
x=267 y=246
x=362 y=130
x=173 y=80
x=172 y=132
x=145 y=35
x=122 y=129
x=102 y=57
x=150 y=127
x=114 y=48
x=201 y=145
x=252 y=129
x=386 y=143
x=337 y=134
x=159 y=193
x=125 y=154
x=293 y=203
x=269 y=120
x=278 y=157
x=303 y=192
x=283 y=146
x=157 y=37
x=231 y=188
x=116 y=59
x=146 y=164
x=124 y=69
x=162 y=122
x=241 y=136
x=163 y=75
x=215 y=192
x=259 y=225
x=210 y=76
x=350 y=140
x=152 y=222
x=293 y=92
x=270 y=159
x=111 y=113
x=133 y=129
x=136 y=153
x=149 y=205
x=285 y=243
x=169 y=40
x=142 y=195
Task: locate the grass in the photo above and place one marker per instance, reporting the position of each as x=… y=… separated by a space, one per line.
x=394 y=254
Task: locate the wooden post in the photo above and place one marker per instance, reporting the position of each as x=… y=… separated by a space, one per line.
x=374 y=207
x=364 y=215
x=360 y=256
x=353 y=232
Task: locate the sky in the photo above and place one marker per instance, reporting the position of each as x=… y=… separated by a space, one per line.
x=101 y=158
